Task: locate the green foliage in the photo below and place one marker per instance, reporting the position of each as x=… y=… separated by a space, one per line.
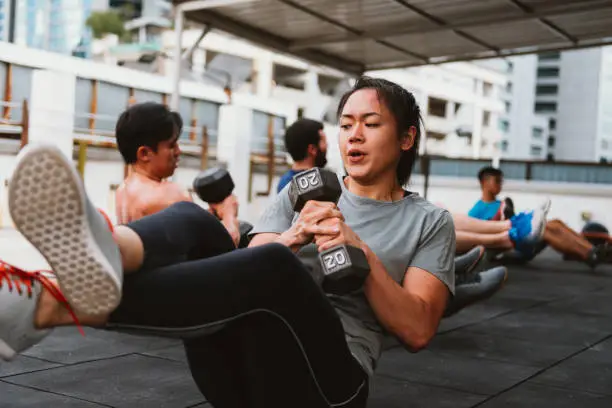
x=106 y=22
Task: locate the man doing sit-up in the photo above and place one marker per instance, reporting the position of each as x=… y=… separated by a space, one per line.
x=147 y=138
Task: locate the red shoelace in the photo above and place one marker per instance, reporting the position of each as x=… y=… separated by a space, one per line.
x=22 y=281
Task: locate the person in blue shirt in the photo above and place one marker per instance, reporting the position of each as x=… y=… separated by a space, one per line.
x=306 y=143
x=490 y=207
x=556 y=233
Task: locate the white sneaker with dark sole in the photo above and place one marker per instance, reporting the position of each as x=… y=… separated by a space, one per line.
x=49 y=206
x=19 y=293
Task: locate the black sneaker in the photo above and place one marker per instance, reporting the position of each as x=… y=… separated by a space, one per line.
x=599 y=254
x=475 y=287
x=507 y=208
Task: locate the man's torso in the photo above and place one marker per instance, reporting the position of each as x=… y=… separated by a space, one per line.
x=138 y=196
x=485 y=210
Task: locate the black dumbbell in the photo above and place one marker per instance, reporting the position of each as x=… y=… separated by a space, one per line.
x=344 y=267
x=213 y=186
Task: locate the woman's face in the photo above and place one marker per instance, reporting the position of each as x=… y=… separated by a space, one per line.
x=368 y=140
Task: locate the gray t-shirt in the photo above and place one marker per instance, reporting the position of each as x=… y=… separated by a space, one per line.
x=404 y=233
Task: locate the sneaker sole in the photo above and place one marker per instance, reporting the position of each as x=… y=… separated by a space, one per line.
x=47 y=205
x=540 y=236
x=478 y=260
x=6 y=352
x=546 y=207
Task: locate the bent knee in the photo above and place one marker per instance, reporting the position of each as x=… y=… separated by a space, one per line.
x=279 y=261
x=276 y=252
x=555 y=225
x=193 y=211
x=188 y=207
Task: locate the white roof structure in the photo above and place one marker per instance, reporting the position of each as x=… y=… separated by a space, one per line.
x=360 y=35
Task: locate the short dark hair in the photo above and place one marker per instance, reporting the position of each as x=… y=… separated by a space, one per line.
x=179 y=122
x=489 y=171
x=144 y=124
x=301 y=134
x=405 y=110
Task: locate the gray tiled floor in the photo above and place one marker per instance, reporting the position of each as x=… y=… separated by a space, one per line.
x=544 y=340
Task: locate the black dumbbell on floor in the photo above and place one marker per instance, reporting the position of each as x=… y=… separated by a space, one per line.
x=213 y=186
x=344 y=267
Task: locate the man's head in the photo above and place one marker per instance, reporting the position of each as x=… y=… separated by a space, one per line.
x=306 y=141
x=147 y=137
x=491 y=180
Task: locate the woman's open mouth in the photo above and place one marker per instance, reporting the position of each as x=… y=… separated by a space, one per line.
x=355 y=156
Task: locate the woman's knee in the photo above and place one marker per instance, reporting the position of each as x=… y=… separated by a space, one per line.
x=277 y=254
x=281 y=263
x=190 y=208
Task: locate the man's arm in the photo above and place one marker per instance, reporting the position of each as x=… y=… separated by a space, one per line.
x=412 y=311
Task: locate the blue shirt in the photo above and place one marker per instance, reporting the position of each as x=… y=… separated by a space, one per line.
x=286 y=179
x=485 y=211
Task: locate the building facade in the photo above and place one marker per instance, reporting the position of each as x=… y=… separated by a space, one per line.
x=558 y=105
x=460 y=102
x=584 y=106
x=52 y=25
x=524 y=132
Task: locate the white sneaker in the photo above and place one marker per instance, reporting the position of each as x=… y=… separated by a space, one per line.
x=546 y=206
x=19 y=291
x=49 y=206
x=538 y=225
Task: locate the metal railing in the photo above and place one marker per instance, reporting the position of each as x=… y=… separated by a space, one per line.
x=12 y=127
x=545 y=171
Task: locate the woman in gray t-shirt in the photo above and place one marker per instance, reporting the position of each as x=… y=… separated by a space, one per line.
x=258 y=329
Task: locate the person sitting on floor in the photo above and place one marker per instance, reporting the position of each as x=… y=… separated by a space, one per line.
x=147 y=138
x=556 y=233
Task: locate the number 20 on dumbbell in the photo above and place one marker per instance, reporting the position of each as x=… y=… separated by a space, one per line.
x=344 y=267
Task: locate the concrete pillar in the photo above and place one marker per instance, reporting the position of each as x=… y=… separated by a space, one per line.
x=142 y=34
x=51 y=107
x=264 y=67
x=234 y=146
x=477 y=123
x=422 y=99
x=314 y=108
x=199 y=60
x=477 y=132
x=334 y=160
x=450 y=110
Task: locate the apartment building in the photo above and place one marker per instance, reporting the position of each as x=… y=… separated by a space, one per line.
x=584 y=106
x=525 y=133
x=52 y=25
x=461 y=102
x=558 y=105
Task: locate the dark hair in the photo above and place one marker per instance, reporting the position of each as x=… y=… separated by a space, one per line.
x=301 y=134
x=489 y=172
x=405 y=110
x=178 y=121
x=144 y=124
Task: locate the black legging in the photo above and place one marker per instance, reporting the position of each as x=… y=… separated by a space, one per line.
x=258 y=332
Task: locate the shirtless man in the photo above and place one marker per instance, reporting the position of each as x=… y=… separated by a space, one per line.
x=147 y=138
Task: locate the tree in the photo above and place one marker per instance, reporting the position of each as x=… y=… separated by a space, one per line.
x=106 y=22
